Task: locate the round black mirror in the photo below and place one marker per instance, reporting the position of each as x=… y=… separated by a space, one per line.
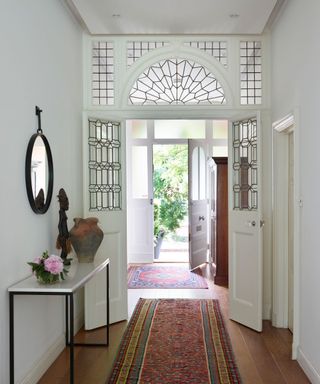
x=39 y=171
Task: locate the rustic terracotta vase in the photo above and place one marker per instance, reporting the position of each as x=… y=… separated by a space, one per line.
x=86 y=237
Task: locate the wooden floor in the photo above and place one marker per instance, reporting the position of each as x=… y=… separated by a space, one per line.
x=262 y=358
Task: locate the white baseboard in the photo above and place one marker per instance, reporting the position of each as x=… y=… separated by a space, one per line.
x=266 y=312
x=308 y=369
x=51 y=354
x=140 y=258
x=295 y=349
x=42 y=365
x=78 y=322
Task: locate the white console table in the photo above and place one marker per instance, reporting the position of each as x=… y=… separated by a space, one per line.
x=80 y=274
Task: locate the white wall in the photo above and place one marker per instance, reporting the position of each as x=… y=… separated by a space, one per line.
x=295 y=78
x=40 y=64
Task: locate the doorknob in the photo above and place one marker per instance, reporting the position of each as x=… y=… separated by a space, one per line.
x=201 y=218
x=252 y=223
x=261 y=223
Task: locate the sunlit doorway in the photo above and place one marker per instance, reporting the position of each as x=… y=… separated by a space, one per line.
x=170 y=203
x=142 y=137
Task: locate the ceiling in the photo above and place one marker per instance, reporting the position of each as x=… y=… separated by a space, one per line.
x=176 y=17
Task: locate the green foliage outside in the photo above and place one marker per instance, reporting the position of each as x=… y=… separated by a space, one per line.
x=170 y=187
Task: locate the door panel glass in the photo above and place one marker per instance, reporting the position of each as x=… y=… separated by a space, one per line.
x=104 y=165
x=220 y=151
x=245 y=171
x=179 y=129
x=195 y=175
x=219 y=129
x=139 y=129
x=220 y=138
x=139 y=172
x=198 y=174
x=202 y=174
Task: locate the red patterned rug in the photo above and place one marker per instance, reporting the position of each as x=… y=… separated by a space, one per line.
x=164 y=276
x=175 y=341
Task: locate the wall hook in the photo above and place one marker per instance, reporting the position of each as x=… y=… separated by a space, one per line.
x=38 y=113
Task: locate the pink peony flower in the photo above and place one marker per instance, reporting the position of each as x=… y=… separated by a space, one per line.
x=37 y=260
x=53 y=264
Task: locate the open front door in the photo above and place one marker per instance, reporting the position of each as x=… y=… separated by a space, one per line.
x=140 y=199
x=197 y=162
x=245 y=224
x=104 y=198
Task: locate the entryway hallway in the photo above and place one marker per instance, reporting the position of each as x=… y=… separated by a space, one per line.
x=262 y=358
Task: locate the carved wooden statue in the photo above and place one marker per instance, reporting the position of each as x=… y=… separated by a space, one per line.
x=63 y=241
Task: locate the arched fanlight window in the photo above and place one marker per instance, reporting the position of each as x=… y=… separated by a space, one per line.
x=176 y=81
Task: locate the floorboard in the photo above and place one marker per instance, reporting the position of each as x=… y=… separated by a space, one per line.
x=262 y=358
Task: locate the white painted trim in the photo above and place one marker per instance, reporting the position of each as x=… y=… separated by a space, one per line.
x=280 y=234
x=281 y=129
x=283 y=124
x=42 y=365
x=307 y=367
x=296 y=256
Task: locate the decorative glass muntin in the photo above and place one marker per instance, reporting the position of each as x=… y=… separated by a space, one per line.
x=136 y=49
x=250 y=72
x=217 y=49
x=104 y=165
x=176 y=82
x=245 y=165
x=102 y=73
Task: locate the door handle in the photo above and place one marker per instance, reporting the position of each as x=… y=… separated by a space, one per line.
x=151 y=201
x=252 y=223
x=201 y=218
x=262 y=223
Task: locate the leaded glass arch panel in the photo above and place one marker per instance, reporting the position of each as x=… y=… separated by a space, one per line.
x=176 y=81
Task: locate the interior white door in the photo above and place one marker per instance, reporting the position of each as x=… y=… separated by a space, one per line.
x=245 y=223
x=197 y=166
x=140 y=204
x=105 y=198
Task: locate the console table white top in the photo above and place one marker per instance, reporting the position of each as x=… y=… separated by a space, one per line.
x=79 y=274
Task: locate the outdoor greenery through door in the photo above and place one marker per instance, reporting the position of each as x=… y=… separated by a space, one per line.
x=170 y=184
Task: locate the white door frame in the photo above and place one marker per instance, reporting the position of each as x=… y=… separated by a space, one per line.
x=281 y=130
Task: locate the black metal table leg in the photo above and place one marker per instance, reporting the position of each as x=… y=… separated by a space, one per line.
x=11 y=326
x=71 y=318
x=19 y=289
x=67 y=319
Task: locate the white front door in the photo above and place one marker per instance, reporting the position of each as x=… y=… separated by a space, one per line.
x=245 y=224
x=197 y=162
x=140 y=203
x=105 y=198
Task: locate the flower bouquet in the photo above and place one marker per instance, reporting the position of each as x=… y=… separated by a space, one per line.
x=49 y=269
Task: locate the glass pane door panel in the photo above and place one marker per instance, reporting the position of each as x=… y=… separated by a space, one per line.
x=139 y=172
x=202 y=174
x=139 y=129
x=179 y=129
x=245 y=168
x=219 y=129
x=195 y=174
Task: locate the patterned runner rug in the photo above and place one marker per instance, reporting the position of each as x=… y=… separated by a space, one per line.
x=160 y=276
x=175 y=341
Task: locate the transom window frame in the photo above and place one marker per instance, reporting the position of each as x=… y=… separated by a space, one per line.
x=124 y=76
